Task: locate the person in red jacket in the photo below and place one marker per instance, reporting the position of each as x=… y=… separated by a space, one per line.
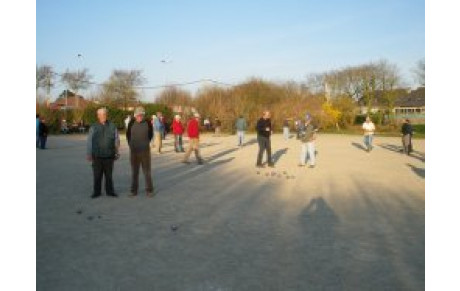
x=193 y=131
x=178 y=130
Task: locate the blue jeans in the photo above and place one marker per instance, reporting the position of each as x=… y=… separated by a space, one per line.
x=42 y=140
x=286 y=133
x=240 y=135
x=178 y=142
x=368 y=141
x=308 y=152
x=38 y=141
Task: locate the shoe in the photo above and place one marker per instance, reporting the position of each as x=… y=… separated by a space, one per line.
x=312 y=166
x=112 y=195
x=150 y=194
x=132 y=194
x=186 y=162
x=271 y=165
x=182 y=151
x=94 y=196
x=200 y=162
x=259 y=165
x=301 y=165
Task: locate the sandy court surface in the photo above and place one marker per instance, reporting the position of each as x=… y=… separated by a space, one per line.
x=355 y=222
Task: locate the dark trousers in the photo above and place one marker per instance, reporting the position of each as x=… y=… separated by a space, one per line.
x=103 y=167
x=178 y=142
x=42 y=140
x=141 y=159
x=264 y=145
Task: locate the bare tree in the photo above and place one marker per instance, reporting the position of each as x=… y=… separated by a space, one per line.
x=76 y=80
x=419 y=72
x=121 y=86
x=45 y=79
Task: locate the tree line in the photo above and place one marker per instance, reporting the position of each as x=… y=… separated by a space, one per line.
x=330 y=97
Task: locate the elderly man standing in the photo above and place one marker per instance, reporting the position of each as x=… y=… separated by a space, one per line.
x=264 y=130
x=193 y=131
x=102 y=149
x=139 y=134
x=308 y=143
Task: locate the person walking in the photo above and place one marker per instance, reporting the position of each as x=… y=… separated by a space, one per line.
x=178 y=131
x=286 y=129
x=139 y=134
x=158 y=132
x=369 y=129
x=43 y=133
x=207 y=124
x=102 y=150
x=407 y=132
x=241 y=127
x=264 y=130
x=193 y=132
x=308 y=138
x=218 y=124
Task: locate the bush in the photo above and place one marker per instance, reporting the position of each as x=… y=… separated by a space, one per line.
x=115 y=115
x=153 y=108
x=419 y=128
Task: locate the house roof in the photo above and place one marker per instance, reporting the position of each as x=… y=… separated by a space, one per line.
x=415 y=98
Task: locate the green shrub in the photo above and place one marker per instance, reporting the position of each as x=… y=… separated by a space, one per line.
x=419 y=128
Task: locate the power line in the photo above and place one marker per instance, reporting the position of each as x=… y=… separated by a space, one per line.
x=161 y=86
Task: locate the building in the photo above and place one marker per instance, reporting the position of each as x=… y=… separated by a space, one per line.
x=67 y=100
x=409 y=104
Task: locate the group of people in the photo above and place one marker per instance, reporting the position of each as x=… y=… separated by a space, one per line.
x=103 y=145
x=307 y=138
x=406 y=132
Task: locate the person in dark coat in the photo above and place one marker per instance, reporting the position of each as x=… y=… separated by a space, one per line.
x=43 y=133
x=407 y=132
x=139 y=134
x=102 y=150
x=264 y=131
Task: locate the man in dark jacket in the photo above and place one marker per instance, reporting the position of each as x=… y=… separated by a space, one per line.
x=102 y=150
x=264 y=130
x=139 y=134
x=407 y=132
x=43 y=133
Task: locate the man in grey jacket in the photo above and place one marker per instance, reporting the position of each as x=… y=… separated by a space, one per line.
x=241 y=127
x=102 y=150
x=308 y=143
x=139 y=134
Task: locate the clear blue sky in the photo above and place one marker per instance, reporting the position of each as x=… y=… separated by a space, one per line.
x=229 y=41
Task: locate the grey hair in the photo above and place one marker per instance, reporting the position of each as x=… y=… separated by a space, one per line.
x=102 y=109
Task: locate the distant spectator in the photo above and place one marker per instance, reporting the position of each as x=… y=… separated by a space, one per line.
x=286 y=129
x=64 y=127
x=241 y=127
x=369 y=129
x=43 y=133
x=407 y=132
x=207 y=124
x=127 y=121
x=218 y=125
x=37 y=124
x=178 y=130
x=158 y=136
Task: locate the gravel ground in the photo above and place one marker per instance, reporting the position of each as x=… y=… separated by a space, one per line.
x=355 y=222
